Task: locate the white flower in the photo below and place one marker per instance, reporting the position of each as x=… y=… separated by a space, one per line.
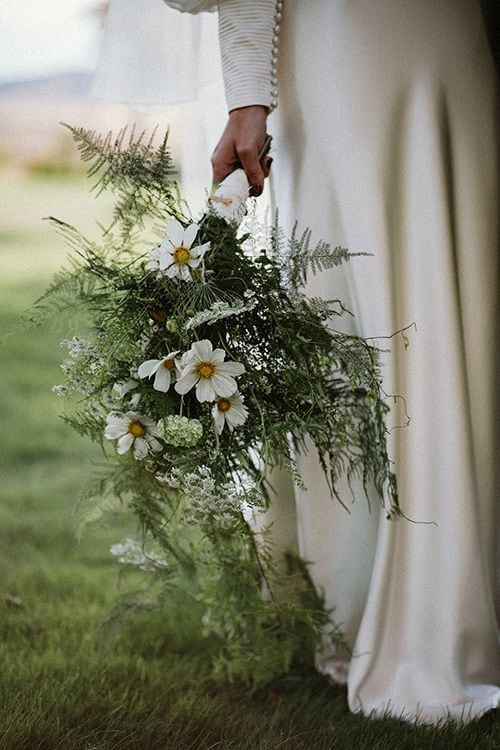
x=204 y=367
x=218 y=311
x=131 y=552
x=230 y=411
x=175 y=256
x=229 y=199
x=164 y=371
x=132 y=429
x=123 y=387
x=180 y=431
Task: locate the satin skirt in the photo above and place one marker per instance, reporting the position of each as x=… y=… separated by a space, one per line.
x=385 y=141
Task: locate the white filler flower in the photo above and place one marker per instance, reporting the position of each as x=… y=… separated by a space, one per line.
x=204 y=367
x=164 y=370
x=230 y=411
x=131 y=429
x=175 y=256
x=180 y=431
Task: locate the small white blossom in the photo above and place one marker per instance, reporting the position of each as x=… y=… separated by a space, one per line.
x=180 y=431
x=218 y=311
x=59 y=390
x=164 y=370
x=132 y=430
x=130 y=552
x=208 y=501
x=144 y=341
x=230 y=411
x=204 y=367
x=176 y=257
x=77 y=346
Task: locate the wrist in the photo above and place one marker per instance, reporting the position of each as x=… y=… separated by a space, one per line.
x=257 y=111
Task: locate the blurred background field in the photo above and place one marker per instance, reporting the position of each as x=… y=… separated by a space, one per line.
x=68 y=680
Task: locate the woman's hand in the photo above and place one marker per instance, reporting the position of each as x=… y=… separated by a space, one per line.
x=240 y=144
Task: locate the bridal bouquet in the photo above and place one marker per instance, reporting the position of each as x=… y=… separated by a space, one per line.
x=203 y=365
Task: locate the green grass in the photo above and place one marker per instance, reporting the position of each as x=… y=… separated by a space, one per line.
x=68 y=681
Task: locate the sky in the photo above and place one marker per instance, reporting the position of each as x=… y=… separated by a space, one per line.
x=41 y=37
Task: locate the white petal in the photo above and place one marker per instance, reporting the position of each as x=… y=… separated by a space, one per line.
x=162 y=380
x=189 y=235
x=186 y=382
x=200 y=250
x=122 y=388
x=165 y=261
x=184 y=272
x=187 y=357
x=124 y=443
x=218 y=355
x=205 y=390
x=174 y=233
x=194 y=262
x=172 y=271
x=111 y=433
x=140 y=448
x=116 y=427
x=231 y=368
x=218 y=419
x=223 y=385
x=153 y=443
x=236 y=415
x=148 y=367
x=148 y=423
x=203 y=350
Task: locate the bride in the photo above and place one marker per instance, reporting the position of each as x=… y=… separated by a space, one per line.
x=384 y=117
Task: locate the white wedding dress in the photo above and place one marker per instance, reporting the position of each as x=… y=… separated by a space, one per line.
x=385 y=142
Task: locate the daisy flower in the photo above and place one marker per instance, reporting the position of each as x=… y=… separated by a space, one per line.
x=204 y=367
x=176 y=257
x=230 y=411
x=132 y=430
x=164 y=371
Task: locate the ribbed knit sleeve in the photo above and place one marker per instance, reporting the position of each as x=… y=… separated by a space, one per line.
x=248 y=33
x=192 y=6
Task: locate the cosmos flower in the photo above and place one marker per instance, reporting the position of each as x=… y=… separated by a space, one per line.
x=132 y=430
x=176 y=257
x=230 y=411
x=164 y=370
x=204 y=367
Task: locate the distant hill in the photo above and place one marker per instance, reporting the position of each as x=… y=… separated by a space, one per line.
x=60 y=86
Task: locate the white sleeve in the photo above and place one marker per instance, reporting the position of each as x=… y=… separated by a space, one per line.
x=249 y=35
x=192 y=6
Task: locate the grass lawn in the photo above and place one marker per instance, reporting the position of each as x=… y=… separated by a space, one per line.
x=67 y=681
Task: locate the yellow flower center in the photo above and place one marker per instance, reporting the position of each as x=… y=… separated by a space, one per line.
x=205 y=370
x=136 y=429
x=169 y=364
x=223 y=404
x=181 y=254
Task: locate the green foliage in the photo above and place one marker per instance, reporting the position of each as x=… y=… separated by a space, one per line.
x=65 y=683
x=302 y=380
